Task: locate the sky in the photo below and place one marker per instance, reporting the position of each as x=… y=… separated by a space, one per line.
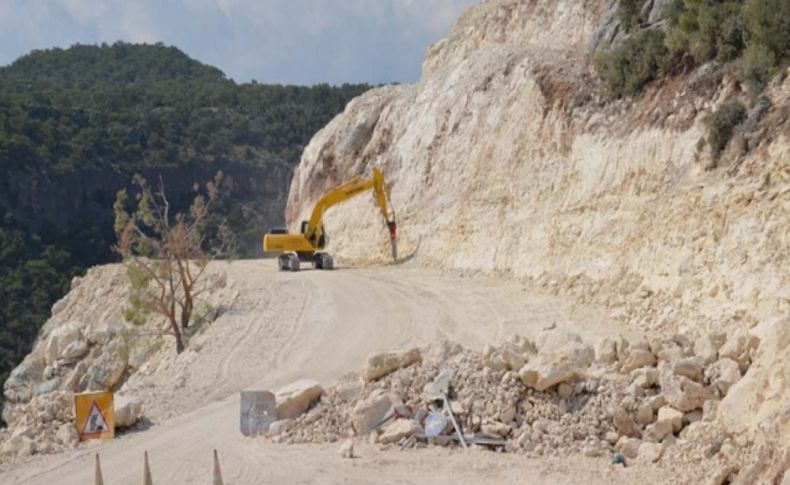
x=271 y=41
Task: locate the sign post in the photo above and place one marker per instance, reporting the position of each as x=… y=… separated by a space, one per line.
x=95 y=415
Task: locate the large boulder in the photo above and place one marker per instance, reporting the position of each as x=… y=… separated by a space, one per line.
x=562 y=357
x=296 y=398
x=740 y=347
x=105 y=372
x=723 y=374
x=380 y=365
x=128 y=410
x=59 y=339
x=681 y=392
x=371 y=410
x=399 y=429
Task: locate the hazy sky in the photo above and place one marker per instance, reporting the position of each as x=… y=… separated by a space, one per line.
x=272 y=41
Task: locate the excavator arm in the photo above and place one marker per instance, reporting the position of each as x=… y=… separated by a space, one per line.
x=312 y=238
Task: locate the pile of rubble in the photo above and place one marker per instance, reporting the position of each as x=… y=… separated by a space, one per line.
x=555 y=395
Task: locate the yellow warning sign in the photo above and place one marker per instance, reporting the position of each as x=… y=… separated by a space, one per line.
x=95 y=415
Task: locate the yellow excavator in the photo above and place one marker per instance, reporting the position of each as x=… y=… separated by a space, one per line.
x=307 y=245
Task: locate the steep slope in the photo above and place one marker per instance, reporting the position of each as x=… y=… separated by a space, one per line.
x=508 y=157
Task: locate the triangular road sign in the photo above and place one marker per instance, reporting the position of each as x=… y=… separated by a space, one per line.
x=96 y=423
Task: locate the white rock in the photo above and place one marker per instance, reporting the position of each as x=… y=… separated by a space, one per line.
x=723 y=374
x=67 y=435
x=625 y=424
x=705 y=347
x=74 y=350
x=60 y=338
x=629 y=447
x=650 y=452
x=565 y=390
x=644 y=414
x=371 y=410
x=656 y=402
x=19 y=445
x=645 y=377
x=657 y=431
x=566 y=364
x=400 y=428
x=681 y=392
x=672 y=416
x=279 y=427
x=382 y=364
x=296 y=398
x=127 y=410
x=690 y=367
x=739 y=347
x=495 y=429
x=637 y=357
x=710 y=410
x=606 y=351
x=347 y=449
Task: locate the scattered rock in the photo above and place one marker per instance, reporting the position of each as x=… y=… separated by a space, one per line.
x=371 y=410
x=127 y=410
x=629 y=447
x=280 y=426
x=625 y=424
x=566 y=363
x=637 y=357
x=739 y=347
x=644 y=414
x=650 y=452
x=382 y=364
x=671 y=416
x=657 y=431
x=645 y=377
x=74 y=350
x=67 y=435
x=60 y=338
x=723 y=374
x=690 y=367
x=347 y=449
x=606 y=351
x=681 y=392
x=705 y=347
x=296 y=398
x=400 y=428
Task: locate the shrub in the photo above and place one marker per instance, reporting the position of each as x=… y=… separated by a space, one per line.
x=768 y=22
x=628 y=12
x=758 y=64
x=637 y=61
x=726 y=118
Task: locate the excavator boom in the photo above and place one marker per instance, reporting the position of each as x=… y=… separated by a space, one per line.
x=306 y=245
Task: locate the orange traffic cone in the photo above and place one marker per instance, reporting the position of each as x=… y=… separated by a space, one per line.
x=217 y=473
x=146 y=471
x=97 y=478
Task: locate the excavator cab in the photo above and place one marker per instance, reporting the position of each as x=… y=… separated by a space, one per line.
x=321 y=240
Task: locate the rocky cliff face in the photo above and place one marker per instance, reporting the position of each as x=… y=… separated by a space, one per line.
x=508 y=157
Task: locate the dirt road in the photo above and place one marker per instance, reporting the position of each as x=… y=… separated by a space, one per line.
x=320 y=325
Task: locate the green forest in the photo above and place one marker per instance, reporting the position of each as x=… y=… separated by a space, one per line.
x=122 y=109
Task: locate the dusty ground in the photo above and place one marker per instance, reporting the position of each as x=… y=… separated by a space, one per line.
x=321 y=325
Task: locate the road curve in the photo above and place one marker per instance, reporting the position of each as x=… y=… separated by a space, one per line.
x=320 y=325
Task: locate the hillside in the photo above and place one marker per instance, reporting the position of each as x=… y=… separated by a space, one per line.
x=593 y=232
x=76 y=124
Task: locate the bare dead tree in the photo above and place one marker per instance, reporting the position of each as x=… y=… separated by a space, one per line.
x=164 y=253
